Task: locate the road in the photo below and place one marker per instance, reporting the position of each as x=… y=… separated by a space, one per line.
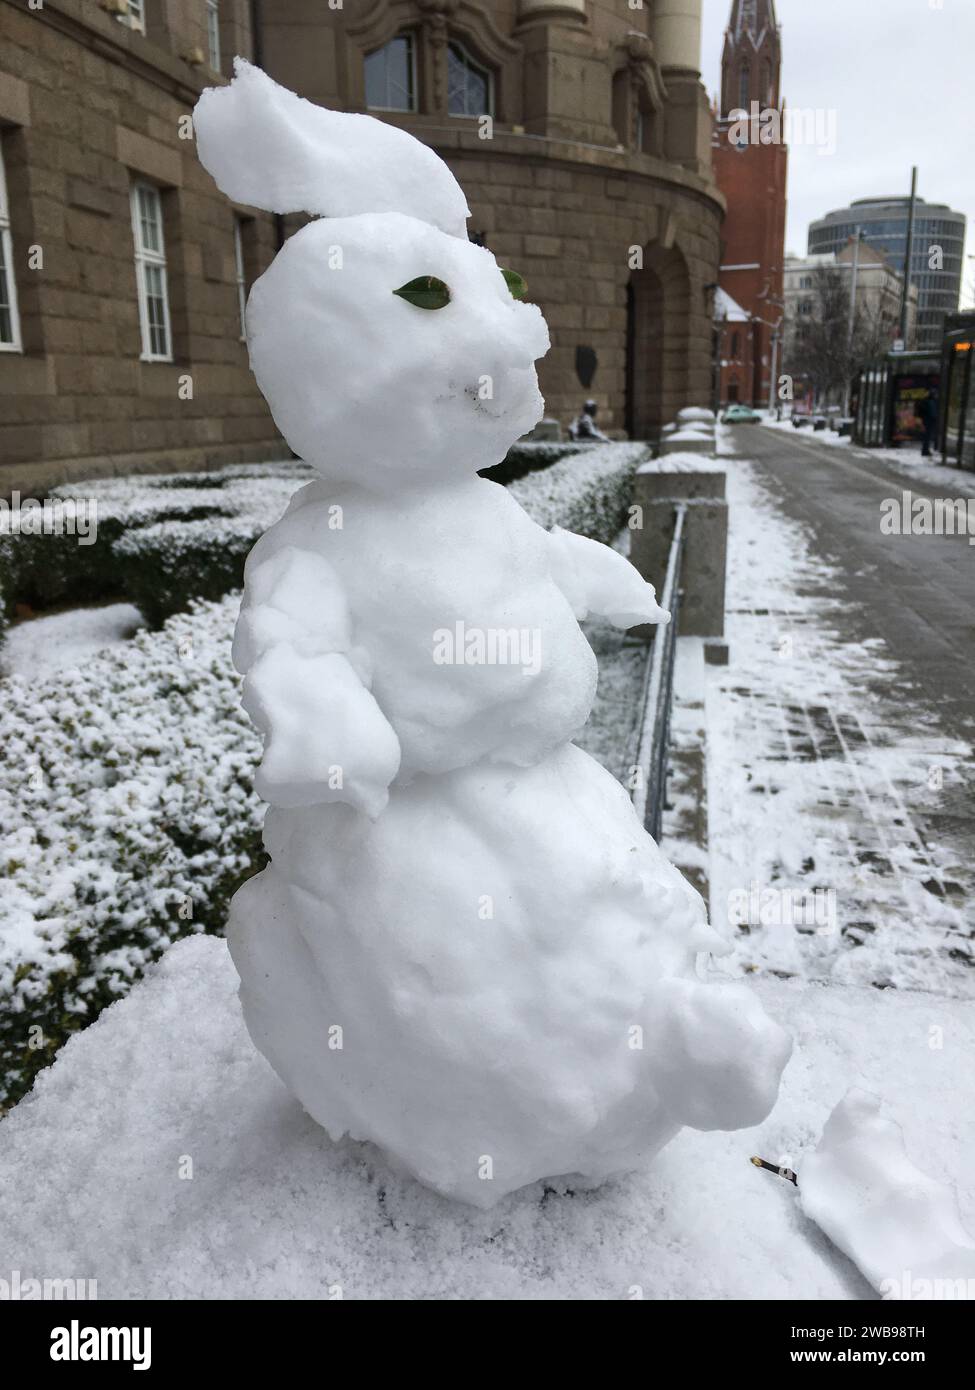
x=916 y=592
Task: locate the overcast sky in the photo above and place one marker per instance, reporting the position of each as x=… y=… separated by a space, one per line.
x=900 y=76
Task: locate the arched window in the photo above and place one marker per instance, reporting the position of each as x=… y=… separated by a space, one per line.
x=469 y=86
x=744 y=86
x=767 y=94
x=391 y=75
x=735 y=345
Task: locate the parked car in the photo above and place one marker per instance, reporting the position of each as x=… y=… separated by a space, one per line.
x=740 y=415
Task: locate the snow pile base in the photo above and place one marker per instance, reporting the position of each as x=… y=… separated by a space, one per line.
x=161 y=1156
x=898 y=1224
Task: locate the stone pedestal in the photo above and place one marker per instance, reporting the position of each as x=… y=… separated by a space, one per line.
x=659 y=486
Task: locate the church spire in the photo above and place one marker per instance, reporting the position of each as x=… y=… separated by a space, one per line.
x=752 y=17
x=752 y=59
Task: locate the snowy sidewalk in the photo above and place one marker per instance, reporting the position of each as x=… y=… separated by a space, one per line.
x=200 y=1177
x=824 y=779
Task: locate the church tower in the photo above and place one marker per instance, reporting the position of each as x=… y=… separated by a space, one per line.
x=750 y=166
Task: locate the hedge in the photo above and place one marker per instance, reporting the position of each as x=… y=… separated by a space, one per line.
x=127 y=819
x=43 y=571
x=588 y=492
x=529 y=456
x=163 y=568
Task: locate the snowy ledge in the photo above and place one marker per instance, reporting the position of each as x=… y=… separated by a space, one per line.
x=682 y=463
x=90 y=1166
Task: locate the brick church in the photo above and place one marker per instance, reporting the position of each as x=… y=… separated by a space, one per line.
x=750 y=168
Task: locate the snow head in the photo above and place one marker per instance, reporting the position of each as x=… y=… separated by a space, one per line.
x=369 y=375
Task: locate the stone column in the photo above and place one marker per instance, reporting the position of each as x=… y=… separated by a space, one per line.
x=561 y=10
x=677 y=45
x=677 y=34
x=567 y=94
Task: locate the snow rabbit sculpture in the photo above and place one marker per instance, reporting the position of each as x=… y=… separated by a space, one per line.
x=466 y=948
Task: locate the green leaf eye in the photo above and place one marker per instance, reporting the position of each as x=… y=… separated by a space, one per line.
x=516 y=283
x=426 y=292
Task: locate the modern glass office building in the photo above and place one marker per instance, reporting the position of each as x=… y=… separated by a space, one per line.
x=937 y=260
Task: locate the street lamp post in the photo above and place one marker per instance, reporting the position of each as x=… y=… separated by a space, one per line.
x=909 y=256
x=857 y=239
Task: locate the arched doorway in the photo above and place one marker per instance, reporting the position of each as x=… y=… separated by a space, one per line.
x=657 y=340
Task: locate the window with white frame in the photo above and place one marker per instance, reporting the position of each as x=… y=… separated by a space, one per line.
x=469 y=86
x=213 y=32
x=391 y=75
x=133 y=15
x=241 y=272
x=150 y=271
x=9 y=317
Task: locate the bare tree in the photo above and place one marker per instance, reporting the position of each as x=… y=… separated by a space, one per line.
x=821 y=348
x=818 y=348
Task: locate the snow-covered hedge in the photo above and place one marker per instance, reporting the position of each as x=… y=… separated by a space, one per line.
x=45 y=570
x=529 y=455
x=127 y=819
x=127 y=811
x=162 y=568
x=589 y=491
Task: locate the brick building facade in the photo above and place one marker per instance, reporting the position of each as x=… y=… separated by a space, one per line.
x=580 y=133
x=117 y=366
x=751 y=171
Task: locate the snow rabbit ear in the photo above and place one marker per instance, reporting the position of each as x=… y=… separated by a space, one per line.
x=271 y=149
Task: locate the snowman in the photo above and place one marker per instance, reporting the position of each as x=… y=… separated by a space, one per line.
x=465 y=948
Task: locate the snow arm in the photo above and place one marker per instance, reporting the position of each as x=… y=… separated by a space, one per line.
x=597 y=579
x=306 y=688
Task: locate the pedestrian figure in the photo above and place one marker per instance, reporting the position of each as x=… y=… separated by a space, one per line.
x=584 y=426
x=927 y=412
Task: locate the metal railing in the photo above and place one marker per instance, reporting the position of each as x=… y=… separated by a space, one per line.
x=654 y=746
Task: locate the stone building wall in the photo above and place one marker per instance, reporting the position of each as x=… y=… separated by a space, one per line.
x=86 y=106
x=598 y=158
x=595 y=183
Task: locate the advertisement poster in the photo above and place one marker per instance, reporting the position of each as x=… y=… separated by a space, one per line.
x=908 y=391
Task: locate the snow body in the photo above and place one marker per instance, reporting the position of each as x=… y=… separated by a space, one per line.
x=466 y=948
x=495 y=980
x=413 y=593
